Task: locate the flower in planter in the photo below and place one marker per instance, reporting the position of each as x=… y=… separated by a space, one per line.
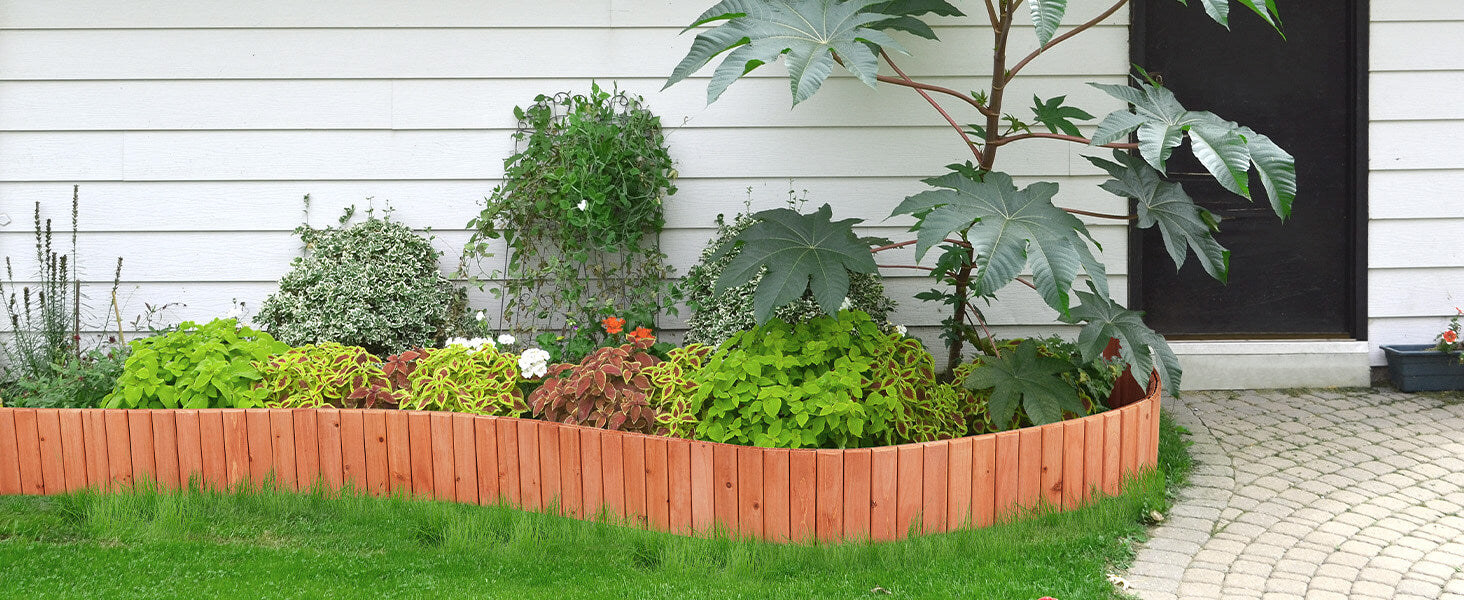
x=1449 y=339
x=534 y=363
x=613 y=325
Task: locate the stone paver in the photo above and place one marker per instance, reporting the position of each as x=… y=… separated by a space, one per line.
x=1318 y=494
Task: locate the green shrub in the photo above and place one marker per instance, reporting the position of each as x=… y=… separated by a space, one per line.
x=824 y=383
x=327 y=374
x=375 y=284
x=460 y=379
x=196 y=366
x=715 y=318
x=77 y=383
x=1057 y=384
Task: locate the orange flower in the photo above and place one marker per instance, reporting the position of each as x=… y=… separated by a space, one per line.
x=613 y=325
x=1450 y=337
x=641 y=333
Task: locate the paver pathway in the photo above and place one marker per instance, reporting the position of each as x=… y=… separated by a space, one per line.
x=1313 y=495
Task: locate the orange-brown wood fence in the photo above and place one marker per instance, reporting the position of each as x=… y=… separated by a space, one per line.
x=666 y=484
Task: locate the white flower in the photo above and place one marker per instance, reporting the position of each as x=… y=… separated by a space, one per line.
x=234 y=313
x=474 y=344
x=900 y=329
x=506 y=339
x=534 y=363
x=583 y=204
x=847 y=304
x=480 y=316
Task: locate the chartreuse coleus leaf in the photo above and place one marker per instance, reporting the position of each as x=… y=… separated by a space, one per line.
x=1140 y=347
x=1164 y=204
x=905 y=12
x=1022 y=376
x=1226 y=149
x=1219 y=10
x=800 y=253
x=808 y=32
x=1008 y=229
x=1058 y=117
x=1046 y=16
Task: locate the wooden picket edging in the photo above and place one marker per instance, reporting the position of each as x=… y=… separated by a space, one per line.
x=666 y=484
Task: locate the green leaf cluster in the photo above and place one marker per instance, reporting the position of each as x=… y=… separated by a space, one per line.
x=610 y=389
x=327 y=374
x=1034 y=382
x=672 y=386
x=457 y=379
x=196 y=366
x=826 y=383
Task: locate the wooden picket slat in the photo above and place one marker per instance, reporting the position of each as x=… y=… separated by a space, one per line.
x=658 y=484
x=1129 y=422
x=571 y=473
x=1155 y=410
x=1093 y=445
x=419 y=425
x=958 y=509
x=307 y=448
x=549 y=488
x=936 y=494
x=591 y=457
x=10 y=454
x=119 y=448
x=378 y=461
x=1029 y=468
x=282 y=449
x=398 y=453
x=509 y=488
x=1052 y=473
x=776 y=494
x=612 y=472
x=28 y=444
x=884 y=473
x=165 y=448
x=983 y=481
x=144 y=461
x=464 y=459
x=353 y=449
x=444 y=471
x=1112 y=447
x=724 y=487
x=703 y=489
x=910 y=489
x=486 y=442
x=633 y=452
x=857 y=494
x=328 y=434
x=829 y=522
x=211 y=443
x=93 y=430
x=1007 y=444
x=1073 y=442
x=678 y=486
x=236 y=447
x=1146 y=431
x=802 y=495
x=750 y=491
x=528 y=447
x=73 y=449
x=53 y=463
x=190 y=448
x=260 y=446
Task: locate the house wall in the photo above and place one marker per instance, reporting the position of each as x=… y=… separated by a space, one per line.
x=1416 y=227
x=195 y=129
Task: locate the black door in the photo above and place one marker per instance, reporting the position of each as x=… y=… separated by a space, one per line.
x=1303 y=278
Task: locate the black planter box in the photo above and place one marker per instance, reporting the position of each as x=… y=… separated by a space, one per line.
x=1420 y=368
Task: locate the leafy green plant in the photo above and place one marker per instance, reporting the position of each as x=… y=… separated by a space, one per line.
x=672 y=386
x=1034 y=382
x=988 y=230
x=459 y=379
x=610 y=389
x=78 y=383
x=827 y=383
x=375 y=284
x=327 y=374
x=580 y=211
x=717 y=315
x=196 y=366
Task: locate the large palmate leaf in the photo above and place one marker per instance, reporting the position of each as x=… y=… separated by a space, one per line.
x=1046 y=16
x=1182 y=223
x=1008 y=229
x=1226 y=149
x=809 y=32
x=1057 y=117
x=906 y=11
x=1219 y=10
x=800 y=253
x=1022 y=376
x=1140 y=347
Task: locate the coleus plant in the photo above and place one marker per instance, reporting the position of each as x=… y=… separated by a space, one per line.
x=989 y=231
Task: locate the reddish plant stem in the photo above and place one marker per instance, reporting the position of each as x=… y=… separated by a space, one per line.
x=975 y=149
x=1007 y=139
x=906 y=267
x=991 y=14
x=1003 y=29
x=1059 y=39
x=1101 y=215
x=961 y=243
x=910 y=83
x=976 y=315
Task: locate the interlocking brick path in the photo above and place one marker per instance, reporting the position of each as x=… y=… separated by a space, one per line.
x=1313 y=495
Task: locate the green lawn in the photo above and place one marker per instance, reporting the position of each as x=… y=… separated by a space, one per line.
x=270 y=545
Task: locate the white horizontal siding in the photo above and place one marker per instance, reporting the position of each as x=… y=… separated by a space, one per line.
x=196 y=128
x=1416 y=162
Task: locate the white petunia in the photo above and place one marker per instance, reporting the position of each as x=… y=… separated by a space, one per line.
x=900 y=329
x=480 y=316
x=847 y=304
x=583 y=204
x=506 y=339
x=534 y=363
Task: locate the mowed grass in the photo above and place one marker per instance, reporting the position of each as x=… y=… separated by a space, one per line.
x=202 y=544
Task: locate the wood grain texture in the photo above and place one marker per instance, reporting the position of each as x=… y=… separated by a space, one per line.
x=1154 y=431
x=53 y=462
x=485 y=441
x=591 y=463
x=509 y=487
x=1029 y=468
x=829 y=521
x=1052 y=471
x=530 y=497
x=937 y=493
x=571 y=473
x=144 y=460
x=1074 y=492
x=28 y=452
x=119 y=448
x=612 y=472
x=261 y=445
x=94 y=430
x=190 y=448
x=353 y=449
x=983 y=480
x=419 y=432
x=776 y=495
x=10 y=453
x=282 y=449
x=703 y=488
x=236 y=446
x=1144 y=455
x=658 y=484
x=1007 y=476
x=910 y=489
x=1112 y=452
x=1093 y=445
x=378 y=456
x=332 y=454
x=211 y=444
x=678 y=486
x=858 y=465
x=549 y=486
x=444 y=470
x=724 y=487
x=958 y=506
x=633 y=452
x=307 y=448
x=165 y=448
x=884 y=472
x=73 y=449
x=464 y=459
x=1129 y=453
x=750 y=497
x=803 y=495
x=398 y=453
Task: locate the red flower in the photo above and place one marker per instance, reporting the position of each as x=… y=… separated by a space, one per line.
x=1450 y=337
x=613 y=325
x=641 y=333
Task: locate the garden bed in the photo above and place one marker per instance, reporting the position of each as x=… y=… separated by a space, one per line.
x=666 y=484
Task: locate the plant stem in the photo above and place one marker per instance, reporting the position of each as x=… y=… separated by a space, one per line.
x=999 y=80
x=910 y=83
x=907 y=243
x=1101 y=215
x=1059 y=39
x=976 y=150
x=1004 y=140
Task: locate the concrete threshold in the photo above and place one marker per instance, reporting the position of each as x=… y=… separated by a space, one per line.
x=1272 y=364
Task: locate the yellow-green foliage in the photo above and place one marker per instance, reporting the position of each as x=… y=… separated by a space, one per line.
x=326 y=374
x=672 y=386
x=457 y=379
